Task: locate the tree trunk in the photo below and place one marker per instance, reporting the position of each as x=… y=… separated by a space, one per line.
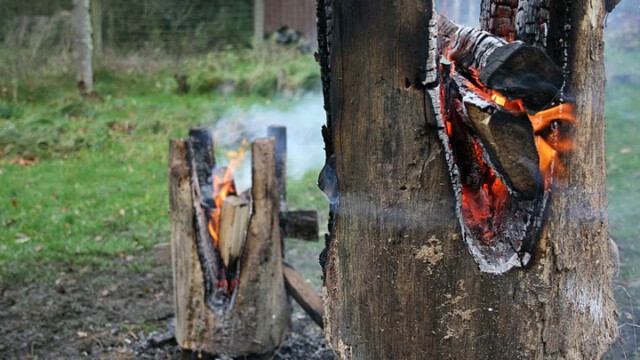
x=84 y=46
x=400 y=282
x=96 y=27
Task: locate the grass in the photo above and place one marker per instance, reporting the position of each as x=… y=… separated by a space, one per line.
x=82 y=180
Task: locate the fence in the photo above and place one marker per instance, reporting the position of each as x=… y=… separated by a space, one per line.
x=36 y=34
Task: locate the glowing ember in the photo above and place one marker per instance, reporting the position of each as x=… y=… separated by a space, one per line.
x=551 y=140
x=224 y=186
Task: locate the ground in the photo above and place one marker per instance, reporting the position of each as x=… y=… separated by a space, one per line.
x=119 y=313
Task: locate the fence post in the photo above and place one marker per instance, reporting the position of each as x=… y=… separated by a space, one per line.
x=258 y=21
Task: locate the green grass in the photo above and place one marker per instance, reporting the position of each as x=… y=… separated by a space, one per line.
x=95 y=181
x=623 y=173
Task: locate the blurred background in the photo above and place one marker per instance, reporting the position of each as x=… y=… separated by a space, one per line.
x=83 y=183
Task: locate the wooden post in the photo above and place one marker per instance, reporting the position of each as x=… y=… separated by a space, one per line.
x=254 y=320
x=258 y=22
x=279 y=133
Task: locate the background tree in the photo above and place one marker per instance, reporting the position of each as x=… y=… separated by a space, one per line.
x=399 y=281
x=84 y=46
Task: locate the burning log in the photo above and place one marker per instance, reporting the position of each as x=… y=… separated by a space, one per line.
x=234 y=217
x=498 y=113
x=252 y=317
x=515 y=70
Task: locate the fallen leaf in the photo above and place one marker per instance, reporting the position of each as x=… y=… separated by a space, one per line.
x=625 y=150
x=24 y=161
x=22 y=238
x=82 y=334
x=14 y=202
x=38 y=248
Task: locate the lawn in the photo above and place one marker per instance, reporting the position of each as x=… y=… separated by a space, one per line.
x=85 y=181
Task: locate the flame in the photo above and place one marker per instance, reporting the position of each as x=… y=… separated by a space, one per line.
x=484 y=204
x=550 y=141
x=223 y=186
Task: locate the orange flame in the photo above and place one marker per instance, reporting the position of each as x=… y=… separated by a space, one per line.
x=223 y=186
x=550 y=142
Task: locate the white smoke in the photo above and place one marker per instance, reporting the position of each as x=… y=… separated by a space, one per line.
x=303 y=119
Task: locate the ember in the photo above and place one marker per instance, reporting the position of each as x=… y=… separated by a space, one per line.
x=503 y=138
x=223 y=186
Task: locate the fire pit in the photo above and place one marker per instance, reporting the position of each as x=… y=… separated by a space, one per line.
x=229 y=277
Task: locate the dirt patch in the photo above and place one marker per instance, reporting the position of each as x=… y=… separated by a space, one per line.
x=120 y=313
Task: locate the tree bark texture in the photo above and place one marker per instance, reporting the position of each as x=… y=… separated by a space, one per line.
x=399 y=281
x=84 y=46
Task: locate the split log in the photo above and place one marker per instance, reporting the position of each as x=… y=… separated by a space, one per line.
x=515 y=70
x=254 y=320
x=304 y=294
x=234 y=217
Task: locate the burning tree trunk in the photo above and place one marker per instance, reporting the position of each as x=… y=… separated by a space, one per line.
x=220 y=310
x=400 y=282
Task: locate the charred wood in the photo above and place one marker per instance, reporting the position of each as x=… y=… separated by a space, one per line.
x=498 y=17
x=532 y=22
x=516 y=70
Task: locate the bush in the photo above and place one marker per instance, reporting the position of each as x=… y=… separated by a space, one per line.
x=10 y=110
x=254 y=72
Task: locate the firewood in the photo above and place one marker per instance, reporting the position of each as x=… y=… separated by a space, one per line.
x=255 y=319
x=516 y=70
x=508 y=139
x=304 y=294
x=234 y=217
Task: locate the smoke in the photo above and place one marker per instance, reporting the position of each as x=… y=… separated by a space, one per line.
x=303 y=119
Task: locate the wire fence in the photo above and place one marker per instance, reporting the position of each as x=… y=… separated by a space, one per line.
x=37 y=36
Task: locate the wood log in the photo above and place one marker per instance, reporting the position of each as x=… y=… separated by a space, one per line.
x=300 y=224
x=254 y=320
x=279 y=133
x=515 y=70
x=508 y=140
x=304 y=294
x=234 y=218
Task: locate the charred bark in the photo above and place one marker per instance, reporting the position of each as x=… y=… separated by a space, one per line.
x=499 y=17
x=400 y=282
x=532 y=22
